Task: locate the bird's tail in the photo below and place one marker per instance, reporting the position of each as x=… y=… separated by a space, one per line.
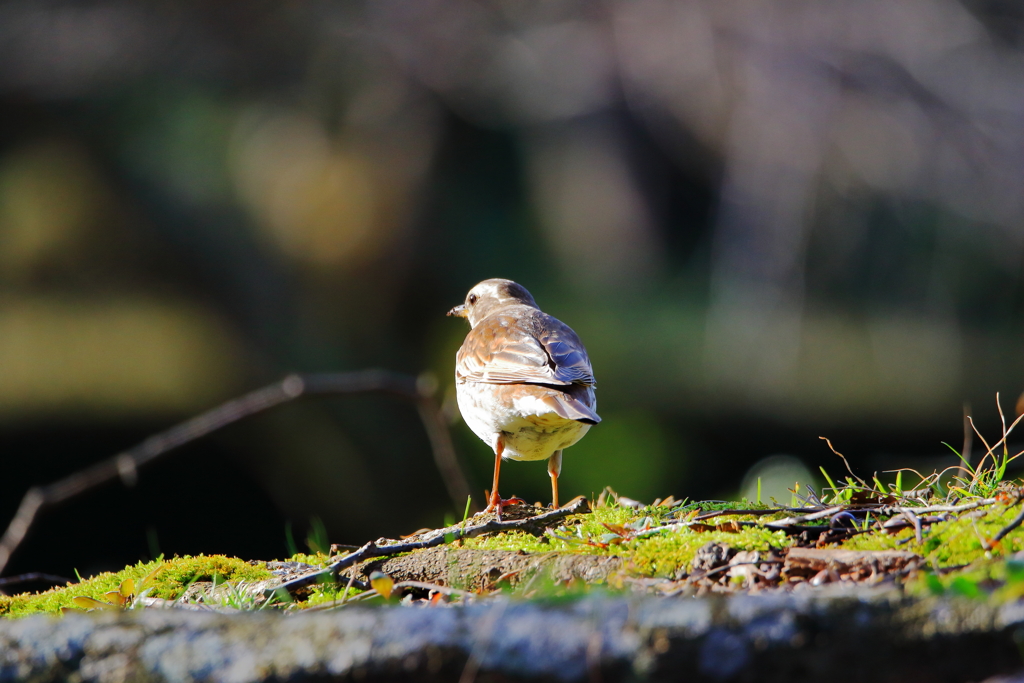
x=571 y=408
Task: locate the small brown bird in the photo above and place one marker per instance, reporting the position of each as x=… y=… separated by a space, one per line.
x=523 y=379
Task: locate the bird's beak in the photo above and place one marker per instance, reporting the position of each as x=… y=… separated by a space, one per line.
x=459 y=311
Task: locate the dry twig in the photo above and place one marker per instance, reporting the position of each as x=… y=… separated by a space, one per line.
x=32 y=576
x=955 y=508
x=914 y=520
x=435 y=538
x=845 y=461
x=720 y=513
x=125 y=465
x=1014 y=523
x=965 y=452
x=791 y=521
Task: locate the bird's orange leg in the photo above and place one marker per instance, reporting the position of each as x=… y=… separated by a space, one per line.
x=495 y=501
x=554 y=469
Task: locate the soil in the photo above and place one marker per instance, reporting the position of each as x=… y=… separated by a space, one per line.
x=477 y=570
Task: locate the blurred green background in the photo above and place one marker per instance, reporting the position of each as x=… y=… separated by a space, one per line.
x=767 y=222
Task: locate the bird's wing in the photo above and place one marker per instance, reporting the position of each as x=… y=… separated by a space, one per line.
x=530 y=349
x=564 y=348
x=570 y=407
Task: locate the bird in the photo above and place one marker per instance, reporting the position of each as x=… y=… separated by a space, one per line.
x=524 y=382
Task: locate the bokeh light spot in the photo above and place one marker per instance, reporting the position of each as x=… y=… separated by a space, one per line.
x=778 y=474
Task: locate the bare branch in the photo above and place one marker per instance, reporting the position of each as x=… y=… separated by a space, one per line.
x=125 y=465
x=1014 y=523
x=915 y=521
x=845 y=461
x=772 y=511
x=33 y=576
x=988 y=450
x=430 y=540
x=955 y=508
x=965 y=452
x=789 y=521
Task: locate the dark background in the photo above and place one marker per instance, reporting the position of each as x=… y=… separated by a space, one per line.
x=768 y=223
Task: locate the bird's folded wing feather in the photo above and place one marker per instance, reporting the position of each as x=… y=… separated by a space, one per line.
x=571 y=408
x=505 y=350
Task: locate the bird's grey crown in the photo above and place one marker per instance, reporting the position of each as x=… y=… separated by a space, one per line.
x=490 y=296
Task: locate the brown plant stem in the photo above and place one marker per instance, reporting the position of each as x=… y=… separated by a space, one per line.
x=432 y=539
x=125 y=465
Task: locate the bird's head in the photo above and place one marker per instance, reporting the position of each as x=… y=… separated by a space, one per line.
x=490 y=296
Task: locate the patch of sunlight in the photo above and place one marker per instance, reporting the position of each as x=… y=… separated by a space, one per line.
x=315 y=197
x=777 y=475
x=111 y=357
x=49 y=196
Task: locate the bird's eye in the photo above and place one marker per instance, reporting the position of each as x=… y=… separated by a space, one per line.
x=472 y=299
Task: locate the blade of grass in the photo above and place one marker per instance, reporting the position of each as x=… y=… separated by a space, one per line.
x=988 y=449
x=966 y=466
x=831 y=484
x=878 y=484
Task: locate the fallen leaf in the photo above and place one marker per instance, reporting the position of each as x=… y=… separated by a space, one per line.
x=91 y=603
x=382 y=583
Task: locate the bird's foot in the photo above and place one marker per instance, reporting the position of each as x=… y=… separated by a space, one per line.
x=497 y=504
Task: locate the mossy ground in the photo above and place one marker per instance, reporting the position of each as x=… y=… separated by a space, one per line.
x=173 y=578
x=611 y=530
x=620 y=532
x=953 y=543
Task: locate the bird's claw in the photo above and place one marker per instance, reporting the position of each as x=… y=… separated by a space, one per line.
x=498 y=504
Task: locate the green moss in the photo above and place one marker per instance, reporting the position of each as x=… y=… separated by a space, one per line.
x=952 y=543
x=667 y=554
x=315 y=559
x=180 y=572
x=328 y=593
x=579 y=534
x=51 y=601
x=169 y=583
x=997 y=581
x=619 y=532
x=615 y=531
x=519 y=540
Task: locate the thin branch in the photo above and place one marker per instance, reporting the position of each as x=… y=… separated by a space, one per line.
x=432 y=539
x=1014 y=523
x=125 y=465
x=1002 y=419
x=965 y=452
x=790 y=521
x=16 y=530
x=720 y=513
x=792 y=524
x=33 y=576
x=955 y=508
x=988 y=450
x=914 y=520
x=348 y=587
x=443 y=450
x=787 y=524
x=845 y=461
x=1002 y=442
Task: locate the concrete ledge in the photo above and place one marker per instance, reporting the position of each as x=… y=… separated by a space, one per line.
x=835 y=636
